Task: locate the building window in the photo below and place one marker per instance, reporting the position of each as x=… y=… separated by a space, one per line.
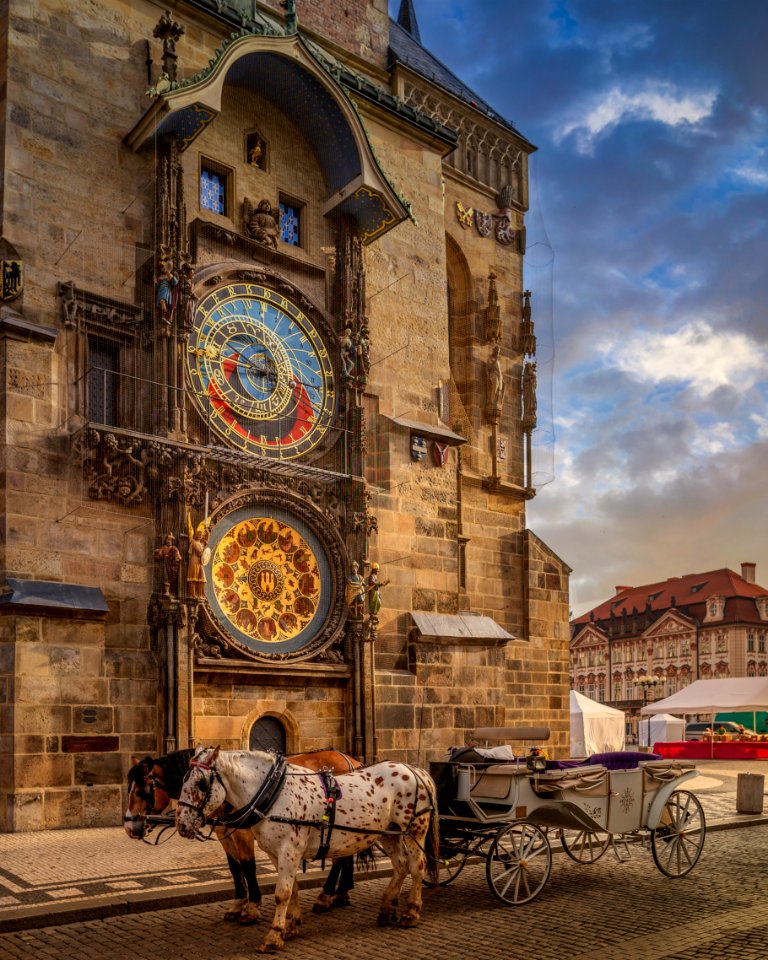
x=617 y=691
x=750 y=643
x=761 y=643
x=103 y=364
x=601 y=692
x=591 y=691
x=214 y=187
x=291 y=216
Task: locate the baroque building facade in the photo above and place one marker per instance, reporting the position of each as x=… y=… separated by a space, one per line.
x=650 y=641
x=269 y=389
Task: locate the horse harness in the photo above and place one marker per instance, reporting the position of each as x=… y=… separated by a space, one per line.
x=257 y=809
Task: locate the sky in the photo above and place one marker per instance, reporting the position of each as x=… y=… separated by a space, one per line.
x=647 y=249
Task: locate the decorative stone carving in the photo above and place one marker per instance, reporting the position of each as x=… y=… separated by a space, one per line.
x=529 y=397
x=527 y=342
x=260 y=222
x=495 y=386
x=169 y=31
x=492 y=311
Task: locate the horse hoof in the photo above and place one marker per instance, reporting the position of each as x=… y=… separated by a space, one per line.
x=386 y=918
x=407 y=921
x=270 y=947
x=323 y=903
x=248 y=920
x=342 y=900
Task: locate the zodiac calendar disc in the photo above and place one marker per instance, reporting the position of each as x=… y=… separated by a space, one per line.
x=266 y=581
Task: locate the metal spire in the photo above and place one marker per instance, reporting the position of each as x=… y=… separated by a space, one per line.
x=406 y=18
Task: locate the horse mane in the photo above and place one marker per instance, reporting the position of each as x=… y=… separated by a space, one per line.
x=139 y=770
x=174 y=766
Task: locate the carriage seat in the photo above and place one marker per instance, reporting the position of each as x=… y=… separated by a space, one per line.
x=622 y=760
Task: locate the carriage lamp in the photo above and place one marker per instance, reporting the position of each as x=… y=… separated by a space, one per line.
x=536 y=761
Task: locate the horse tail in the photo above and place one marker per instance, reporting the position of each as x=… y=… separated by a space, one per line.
x=432 y=840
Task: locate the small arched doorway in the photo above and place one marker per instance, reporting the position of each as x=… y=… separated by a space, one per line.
x=267 y=733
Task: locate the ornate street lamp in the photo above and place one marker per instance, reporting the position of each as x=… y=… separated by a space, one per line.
x=647 y=684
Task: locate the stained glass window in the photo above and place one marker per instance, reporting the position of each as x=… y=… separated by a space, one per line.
x=213 y=191
x=290 y=223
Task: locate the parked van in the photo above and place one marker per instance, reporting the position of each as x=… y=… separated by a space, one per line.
x=696 y=731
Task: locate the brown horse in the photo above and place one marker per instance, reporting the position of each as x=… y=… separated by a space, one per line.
x=154 y=782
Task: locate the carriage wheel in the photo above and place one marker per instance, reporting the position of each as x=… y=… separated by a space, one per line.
x=677 y=842
x=519 y=863
x=584 y=846
x=453 y=856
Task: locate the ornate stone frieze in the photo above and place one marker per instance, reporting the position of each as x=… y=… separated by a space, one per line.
x=97 y=312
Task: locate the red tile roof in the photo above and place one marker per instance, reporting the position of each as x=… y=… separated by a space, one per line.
x=693 y=588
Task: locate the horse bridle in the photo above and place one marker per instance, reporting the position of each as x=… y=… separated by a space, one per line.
x=152 y=817
x=199 y=808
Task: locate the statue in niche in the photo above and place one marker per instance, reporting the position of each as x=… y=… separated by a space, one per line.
x=355 y=592
x=260 y=222
x=494 y=384
x=165 y=290
x=256 y=151
x=527 y=336
x=187 y=295
x=348 y=353
x=169 y=558
x=529 y=396
x=199 y=555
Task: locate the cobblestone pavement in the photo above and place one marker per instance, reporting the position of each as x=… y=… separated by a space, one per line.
x=606 y=911
x=49 y=877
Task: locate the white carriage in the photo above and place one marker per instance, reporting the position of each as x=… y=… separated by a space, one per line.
x=507 y=813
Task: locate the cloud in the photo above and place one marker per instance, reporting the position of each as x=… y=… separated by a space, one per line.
x=695 y=356
x=754 y=169
x=659 y=102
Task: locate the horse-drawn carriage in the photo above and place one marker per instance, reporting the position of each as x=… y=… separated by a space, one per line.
x=507 y=812
x=501 y=811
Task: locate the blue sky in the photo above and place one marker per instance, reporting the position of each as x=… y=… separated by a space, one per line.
x=650 y=186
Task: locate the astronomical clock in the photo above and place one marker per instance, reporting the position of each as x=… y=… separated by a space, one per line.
x=261 y=374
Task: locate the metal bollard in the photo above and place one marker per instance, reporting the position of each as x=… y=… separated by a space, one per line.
x=749 y=792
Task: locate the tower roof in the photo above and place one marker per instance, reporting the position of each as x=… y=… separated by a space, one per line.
x=407 y=19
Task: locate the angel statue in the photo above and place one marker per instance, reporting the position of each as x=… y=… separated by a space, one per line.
x=198 y=558
x=261 y=223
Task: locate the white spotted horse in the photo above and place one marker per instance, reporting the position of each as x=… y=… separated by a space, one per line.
x=298 y=815
x=154 y=782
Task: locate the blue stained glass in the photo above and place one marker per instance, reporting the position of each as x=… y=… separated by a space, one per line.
x=290 y=221
x=213 y=191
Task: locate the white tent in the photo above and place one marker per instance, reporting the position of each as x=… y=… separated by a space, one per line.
x=663 y=727
x=595 y=728
x=736 y=694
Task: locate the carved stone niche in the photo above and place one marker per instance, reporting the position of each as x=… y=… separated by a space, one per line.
x=97 y=313
x=256 y=151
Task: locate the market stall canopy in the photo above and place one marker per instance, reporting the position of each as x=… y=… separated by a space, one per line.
x=595 y=727
x=663 y=728
x=746 y=694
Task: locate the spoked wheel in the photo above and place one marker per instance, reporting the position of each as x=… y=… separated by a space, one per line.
x=519 y=863
x=453 y=856
x=677 y=842
x=584 y=846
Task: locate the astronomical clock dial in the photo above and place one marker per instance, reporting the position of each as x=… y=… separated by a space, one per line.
x=260 y=372
x=269 y=582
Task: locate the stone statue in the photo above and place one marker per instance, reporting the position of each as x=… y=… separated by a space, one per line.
x=347 y=353
x=495 y=385
x=199 y=554
x=355 y=592
x=260 y=222
x=169 y=558
x=374 y=590
x=187 y=295
x=165 y=288
x=529 y=396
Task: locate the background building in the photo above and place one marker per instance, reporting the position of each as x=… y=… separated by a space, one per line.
x=268 y=393
x=651 y=641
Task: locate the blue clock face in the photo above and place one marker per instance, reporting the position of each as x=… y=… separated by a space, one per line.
x=260 y=373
